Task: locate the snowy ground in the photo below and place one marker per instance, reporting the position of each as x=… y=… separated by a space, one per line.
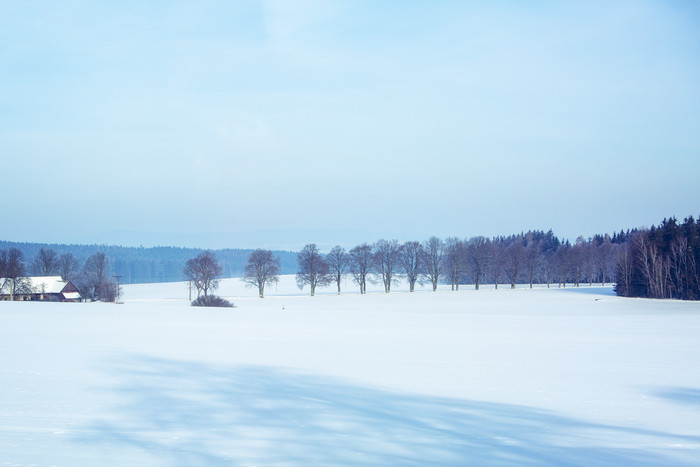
x=490 y=377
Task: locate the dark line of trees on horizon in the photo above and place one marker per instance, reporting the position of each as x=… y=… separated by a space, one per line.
x=660 y=262
x=137 y=265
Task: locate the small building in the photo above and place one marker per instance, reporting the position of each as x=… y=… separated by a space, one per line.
x=45 y=288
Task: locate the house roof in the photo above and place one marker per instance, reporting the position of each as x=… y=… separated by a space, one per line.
x=40 y=284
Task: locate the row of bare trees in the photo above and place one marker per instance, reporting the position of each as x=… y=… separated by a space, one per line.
x=46 y=263
x=262 y=269
x=535 y=257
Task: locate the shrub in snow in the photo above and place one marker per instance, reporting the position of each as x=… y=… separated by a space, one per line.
x=212 y=300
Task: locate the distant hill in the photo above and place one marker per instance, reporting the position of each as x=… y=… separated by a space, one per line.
x=157 y=264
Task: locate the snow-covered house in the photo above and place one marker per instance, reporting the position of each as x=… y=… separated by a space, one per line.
x=45 y=288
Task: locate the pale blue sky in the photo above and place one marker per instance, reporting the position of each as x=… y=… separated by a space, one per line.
x=286 y=122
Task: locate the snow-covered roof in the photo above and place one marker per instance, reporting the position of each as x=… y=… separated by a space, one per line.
x=40 y=284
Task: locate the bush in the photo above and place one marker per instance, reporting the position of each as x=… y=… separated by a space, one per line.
x=212 y=300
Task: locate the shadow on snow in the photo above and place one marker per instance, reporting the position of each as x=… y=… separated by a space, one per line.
x=586 y=289
x=689 y=396
x=185 y=413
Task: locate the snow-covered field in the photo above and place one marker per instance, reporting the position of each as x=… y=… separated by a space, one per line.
x=490 y=377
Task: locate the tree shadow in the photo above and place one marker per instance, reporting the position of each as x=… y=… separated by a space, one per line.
x=186 y=414
x=688 y=396
x=607 y=291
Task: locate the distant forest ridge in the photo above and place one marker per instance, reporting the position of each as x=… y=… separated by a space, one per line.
x=137 y=265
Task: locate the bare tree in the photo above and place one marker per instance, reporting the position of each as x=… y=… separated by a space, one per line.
x=410 y=258
x=514 y=259
x=605 y=259
x=532 y=259
x=454 y=260
x=313 y=269
x=67 y=266
x=548 y=267
x=45 y=263
x=562 y=263
x=477 y=253
x=203 y=271
x=678 y=262
x=338 y=261
x=590 y=263
x=433 y=259
x=262 y=268
x=624 y=268
x=386 y=258
x=96 y=283
x=577 y=260
x=497 y=260
x=361 y=264
x=654 y=267
x=13 y=272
